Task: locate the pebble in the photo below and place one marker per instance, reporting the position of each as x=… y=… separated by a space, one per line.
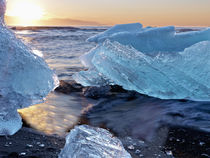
x=42 y=145
x=22 y=154
x=201 y=143
x=169 y=153
x=131 y=147
x=8 y=144
x=171 y=138
x=137 y=151
x=29 y=145
x=141 y=142
x=205 y=155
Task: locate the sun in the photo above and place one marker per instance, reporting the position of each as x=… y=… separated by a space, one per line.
x=26 y=12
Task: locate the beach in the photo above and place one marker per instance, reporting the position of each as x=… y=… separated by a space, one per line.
x=147 y=126
x=182 y=143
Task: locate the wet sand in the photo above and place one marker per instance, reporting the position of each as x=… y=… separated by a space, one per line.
x=28 y=143
x=181 y=143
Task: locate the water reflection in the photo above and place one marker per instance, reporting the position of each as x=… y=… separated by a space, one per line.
x=139 y=118
x=59 y=113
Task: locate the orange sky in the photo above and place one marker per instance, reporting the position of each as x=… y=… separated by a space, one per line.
x=109 y=12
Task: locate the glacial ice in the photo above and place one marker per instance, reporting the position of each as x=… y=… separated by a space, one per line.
x=154 y=61
x=116 y=30
x=89 y=142
x=25 y=78
x=154 y=39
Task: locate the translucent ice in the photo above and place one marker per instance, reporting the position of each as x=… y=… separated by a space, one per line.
x=156 y=61
x=25 y=78
x=90 y=142
x=116 y=30
x=2 y=11
x=154 y=40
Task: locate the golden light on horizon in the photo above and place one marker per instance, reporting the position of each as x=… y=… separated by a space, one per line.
x=94 y=12
x=26 y=12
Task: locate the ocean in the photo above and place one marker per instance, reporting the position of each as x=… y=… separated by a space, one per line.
x=139 y=118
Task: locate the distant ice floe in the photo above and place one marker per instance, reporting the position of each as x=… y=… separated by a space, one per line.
x=90 y=142
x=154 y=61
x=25 y=78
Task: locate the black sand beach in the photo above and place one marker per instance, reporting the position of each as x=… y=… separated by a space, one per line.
x=29 y=143
x=181 y=143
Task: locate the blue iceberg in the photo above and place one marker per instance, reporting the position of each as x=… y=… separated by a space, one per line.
x=154 y=61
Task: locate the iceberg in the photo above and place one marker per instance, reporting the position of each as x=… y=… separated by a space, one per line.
x=117 y=29
x=153 y=39
x=154 y=61
x=25 y=78
x=89 y=142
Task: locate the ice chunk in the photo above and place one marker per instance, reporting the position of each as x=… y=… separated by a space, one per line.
x=97 y=79
x=154 y=61
x=2 y=11
x=117 y=29
x=25 y=78
x=90 y=142
x=10 y=121
x=86 y=59
x=181 y=75
x=153 y=40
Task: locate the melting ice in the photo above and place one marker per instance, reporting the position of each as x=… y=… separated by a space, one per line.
x=154 y=61
x=25 y=78
x=90 y=142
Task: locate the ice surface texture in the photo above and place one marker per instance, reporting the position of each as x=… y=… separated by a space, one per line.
x=2 y=11
x=154 y=61
x=89 y=142
x=25 y=78
x=153 y=40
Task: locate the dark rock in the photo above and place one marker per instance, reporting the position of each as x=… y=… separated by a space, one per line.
x=68 y=87
x=96 y=92
x=183 y=100
x=119 y=89
x=50 y=149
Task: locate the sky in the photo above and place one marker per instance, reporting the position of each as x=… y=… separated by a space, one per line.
x=109 y=12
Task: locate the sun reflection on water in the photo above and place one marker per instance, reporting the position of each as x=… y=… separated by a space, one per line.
x=58 y=114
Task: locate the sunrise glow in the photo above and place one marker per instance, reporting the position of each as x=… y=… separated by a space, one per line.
x=108 y=12
x=26 y=12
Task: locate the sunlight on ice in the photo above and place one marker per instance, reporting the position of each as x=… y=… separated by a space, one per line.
x=90 y=142
x=154 y=61
x=25 y=78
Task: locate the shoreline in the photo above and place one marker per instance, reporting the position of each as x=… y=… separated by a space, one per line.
x=182 y=142
x=30 y=143
x=170 y=141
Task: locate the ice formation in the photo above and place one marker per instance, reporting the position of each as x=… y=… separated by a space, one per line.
x=90 y=142
x=25 y=78
x=116 y=30
x=154 y=61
